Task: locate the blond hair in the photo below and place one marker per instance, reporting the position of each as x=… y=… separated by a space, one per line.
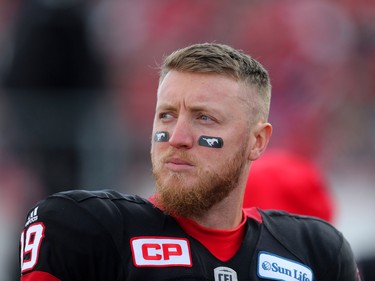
x=225 y=60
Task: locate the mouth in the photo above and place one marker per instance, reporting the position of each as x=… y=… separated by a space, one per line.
x=178 y=164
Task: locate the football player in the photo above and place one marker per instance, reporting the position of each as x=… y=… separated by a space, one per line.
x=211 y=123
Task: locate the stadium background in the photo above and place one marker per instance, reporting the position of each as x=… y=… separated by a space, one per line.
x=78 y=84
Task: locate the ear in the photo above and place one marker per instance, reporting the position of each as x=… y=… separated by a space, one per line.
x=261 y=135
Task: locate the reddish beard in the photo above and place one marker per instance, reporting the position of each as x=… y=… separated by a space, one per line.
x=177 y=198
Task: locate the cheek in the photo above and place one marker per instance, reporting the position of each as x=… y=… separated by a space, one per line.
x=212 y=159
x=158 y=149
x=154 y=150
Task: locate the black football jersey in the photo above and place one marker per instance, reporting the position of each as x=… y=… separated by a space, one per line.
x=105 y=236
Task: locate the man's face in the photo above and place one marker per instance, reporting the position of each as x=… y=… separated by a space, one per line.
x=190 y=178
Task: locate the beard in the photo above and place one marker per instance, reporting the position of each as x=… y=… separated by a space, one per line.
x=179 y=198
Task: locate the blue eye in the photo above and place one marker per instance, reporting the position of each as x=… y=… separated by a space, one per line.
x=204 y=117
x=164 y=115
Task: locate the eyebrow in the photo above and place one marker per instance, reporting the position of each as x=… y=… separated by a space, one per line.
x=194 y=108
x=165 y=106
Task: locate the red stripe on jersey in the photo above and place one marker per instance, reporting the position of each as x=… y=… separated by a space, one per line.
x=253 y=213
x=38 y=276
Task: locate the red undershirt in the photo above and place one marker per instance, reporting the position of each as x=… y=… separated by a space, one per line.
x=223 y=244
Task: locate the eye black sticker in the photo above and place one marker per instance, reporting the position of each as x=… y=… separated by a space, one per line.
x=161 y=136
x=214 y=142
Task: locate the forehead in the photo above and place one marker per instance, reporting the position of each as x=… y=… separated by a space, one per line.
x=201 y=88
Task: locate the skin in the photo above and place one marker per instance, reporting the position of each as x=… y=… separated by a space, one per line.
x=193 y=104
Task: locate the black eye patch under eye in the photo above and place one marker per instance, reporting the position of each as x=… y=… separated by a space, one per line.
x=161 y=136
x=214 y=142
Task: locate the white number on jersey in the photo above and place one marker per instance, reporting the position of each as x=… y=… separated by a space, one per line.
x=31 y=240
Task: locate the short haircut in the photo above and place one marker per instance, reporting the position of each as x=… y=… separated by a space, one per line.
x=224 y=60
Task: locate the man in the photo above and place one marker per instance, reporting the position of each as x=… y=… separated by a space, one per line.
x=210 y=124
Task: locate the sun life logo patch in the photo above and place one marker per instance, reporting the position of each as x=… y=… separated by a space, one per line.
x=275 y=267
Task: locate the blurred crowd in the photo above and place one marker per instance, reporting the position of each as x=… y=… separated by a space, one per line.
x=78 y=86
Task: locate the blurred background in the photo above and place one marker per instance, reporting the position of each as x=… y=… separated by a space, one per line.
x=78 y=86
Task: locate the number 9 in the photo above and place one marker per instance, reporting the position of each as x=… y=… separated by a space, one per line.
x=31 y=241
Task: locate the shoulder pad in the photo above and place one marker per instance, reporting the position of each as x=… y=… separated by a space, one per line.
x=317 y=237
x=82 y=195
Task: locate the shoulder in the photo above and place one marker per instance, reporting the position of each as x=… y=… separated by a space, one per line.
x=71 y=229
x=308 y=240
x=314 y=241
x=80 y=196
x=297 y=228
x=83 y=210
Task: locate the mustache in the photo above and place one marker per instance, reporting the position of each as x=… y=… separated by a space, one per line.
x=175 y=153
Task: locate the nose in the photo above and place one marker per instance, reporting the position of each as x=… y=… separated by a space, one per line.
x=181 y=136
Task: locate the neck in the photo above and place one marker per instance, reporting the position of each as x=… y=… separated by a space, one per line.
x=225 y=215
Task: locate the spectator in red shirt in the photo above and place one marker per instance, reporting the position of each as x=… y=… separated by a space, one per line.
x=289 y=182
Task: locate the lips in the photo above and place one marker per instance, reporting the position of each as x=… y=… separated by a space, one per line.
x=178 y=161
x=176 y=164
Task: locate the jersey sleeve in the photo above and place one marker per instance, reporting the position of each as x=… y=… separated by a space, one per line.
x=347 y=267
x=336 y=256
x=63 y=241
